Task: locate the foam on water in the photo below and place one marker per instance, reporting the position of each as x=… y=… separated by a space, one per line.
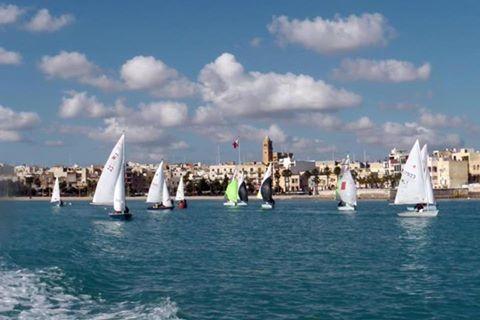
x=25 y=294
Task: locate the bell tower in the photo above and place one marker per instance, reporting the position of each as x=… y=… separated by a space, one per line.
x=267 y=151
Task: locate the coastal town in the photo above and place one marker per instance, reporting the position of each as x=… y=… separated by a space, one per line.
x=454 y=172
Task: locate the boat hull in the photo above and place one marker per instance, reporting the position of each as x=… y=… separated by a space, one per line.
x=159 y=208
x=418 y=214
x=267 y=206
x=120 y=216
x=347 y=208
x=182 y=204
x=230 y=204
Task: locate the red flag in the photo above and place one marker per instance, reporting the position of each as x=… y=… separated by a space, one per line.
x=236 y=143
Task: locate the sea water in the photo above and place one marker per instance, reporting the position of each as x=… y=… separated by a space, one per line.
x=302 y=260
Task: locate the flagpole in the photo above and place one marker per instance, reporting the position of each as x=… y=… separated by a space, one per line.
x=239 y=158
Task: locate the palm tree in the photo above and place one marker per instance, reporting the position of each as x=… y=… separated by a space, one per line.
x=327 y=172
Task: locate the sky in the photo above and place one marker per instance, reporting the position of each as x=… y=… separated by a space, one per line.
x=183 y=79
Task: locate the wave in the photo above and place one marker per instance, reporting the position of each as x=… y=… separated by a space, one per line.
x=39 y=295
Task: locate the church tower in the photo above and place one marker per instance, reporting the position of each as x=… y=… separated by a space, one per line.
x=267 y=151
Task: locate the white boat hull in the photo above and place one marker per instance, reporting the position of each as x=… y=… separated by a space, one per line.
x=346 y=208
x=230 y=204
x=267 y=206
x=418 y=214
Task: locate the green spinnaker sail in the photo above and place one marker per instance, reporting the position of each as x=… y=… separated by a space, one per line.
x=232 y=191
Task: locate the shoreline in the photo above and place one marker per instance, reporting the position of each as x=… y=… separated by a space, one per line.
x=221 y=198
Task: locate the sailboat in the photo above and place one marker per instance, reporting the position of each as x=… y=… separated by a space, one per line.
x=346 y=189
x=56 y=194
x=155 y=191
x=167 y=203
x=266 y=190
x=180 y=196
x=416 y=186
x=111 y=185
x=242 y=190
x=231 y=194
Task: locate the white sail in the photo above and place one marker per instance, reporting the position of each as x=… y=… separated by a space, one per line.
x=241 y=178
x=155 y=190
x=106 y=186
x=347 y=190
x=166 y=201
x=267 y=174
x=180 y=196
x=56 y=191
x=430 y=199
x=119 y=194
x=411 y=189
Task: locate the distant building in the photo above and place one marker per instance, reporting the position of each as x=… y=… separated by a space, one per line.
x=267 y=151
x=396 y=160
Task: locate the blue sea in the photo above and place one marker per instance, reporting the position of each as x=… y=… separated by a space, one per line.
x=303 y=260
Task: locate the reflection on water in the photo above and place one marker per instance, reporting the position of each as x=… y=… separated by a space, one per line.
x=109 y=227
x=416 y=242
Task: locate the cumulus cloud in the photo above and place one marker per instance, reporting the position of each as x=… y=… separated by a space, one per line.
x=439 y=120
x=160 y=113
x=144 y=124
x=402 y=135
x=148 y=73
x=9 y=13
x=363 y=123
x=80 y=105
x=330 y=122
x=9 y=57
x=75 y=65
x=381 y=70
x=12 y=124
x=167 y=114
x=232 y=91
x=330 y=36
x=309 y=147
x=43 y=21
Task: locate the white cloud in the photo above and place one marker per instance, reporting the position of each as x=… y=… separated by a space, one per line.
x=12 y=123
x=231 y=91
x=79 y=104
x=251 y=133
x=148 y=73
x=167 y=114
x=9 y=57
x=156 y=114
x=114 y=127
x=10 y=136
x=320 y=120
x=208 y=115
x=363 y=123
x=76 y=66
x=309 y=147
x=403 y=135
x=44 y=22
x=330 y=122
x=439 y=120
x=381 y=70
x=9 y=13
x=330 y=36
